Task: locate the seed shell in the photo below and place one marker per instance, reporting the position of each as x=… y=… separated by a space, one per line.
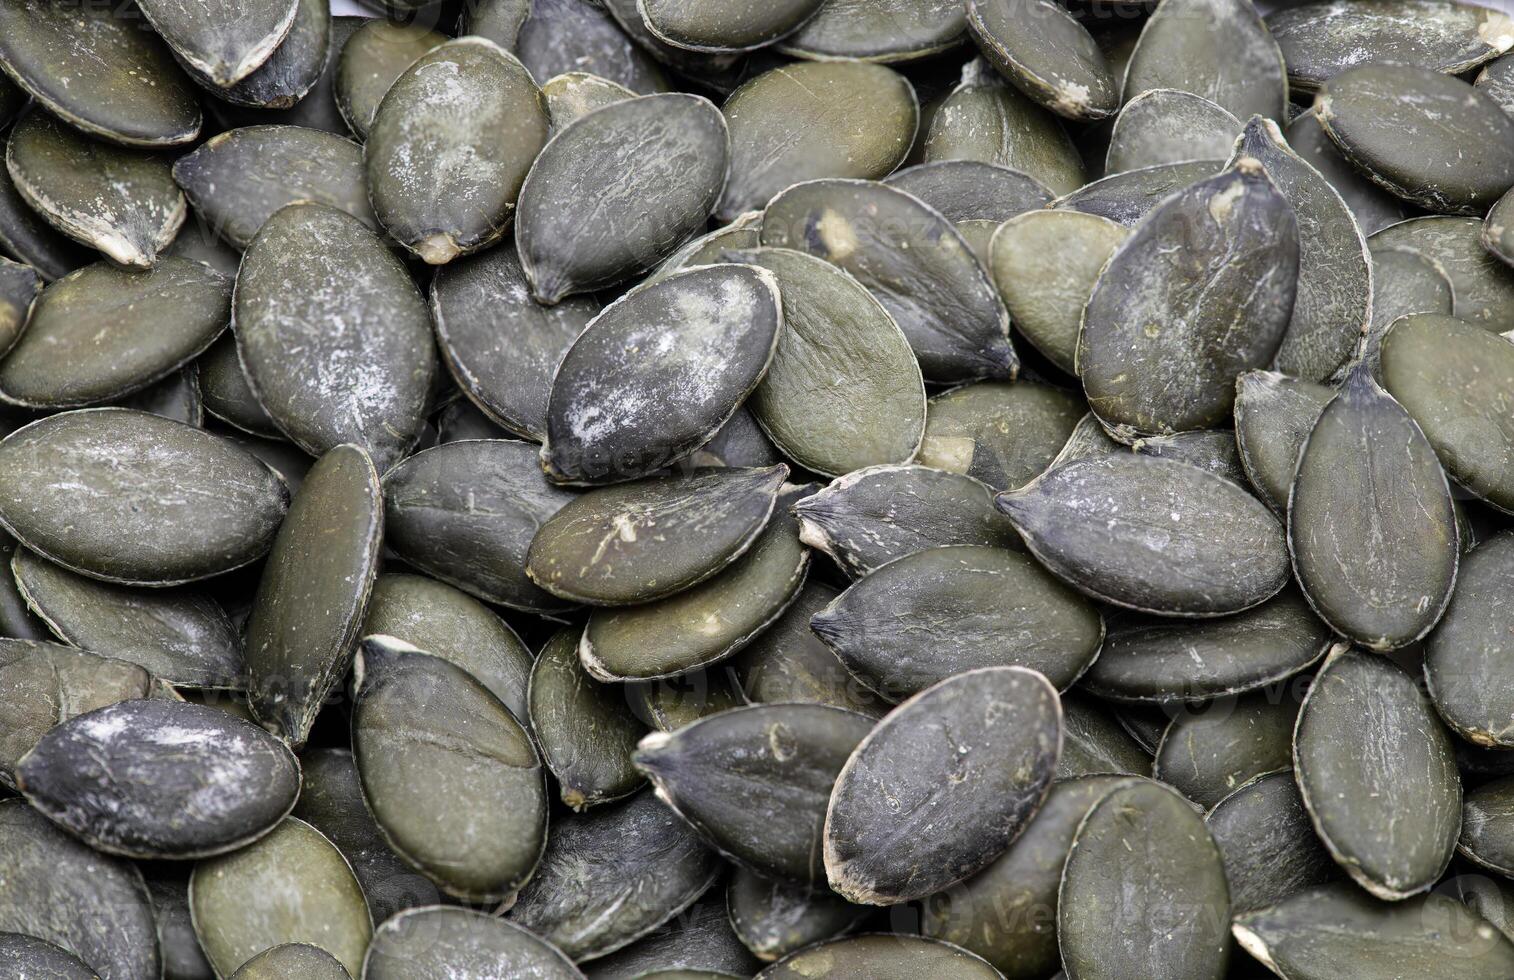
x=699 y=940
x=724 y=25
x=222 y=42
x=371 y=60
x=666 y=704
x=774 y=918
x=743 y=232
x=1466 y=652
x=1000 y=433
x=1219 y=49
x=1094 y=742
x=969 y=190
x=460 y=944
x=1373 y=207
x=1480 y=282
x=1267 y=842
x=1274 y=414
x=880 y=956
x=580 y=35
x=294 y=68
x=25 y=236
x=1485 y=826
x=226 y=393
x=574 y=94
x=1164 y=126
x=1205 y=755
x=1208 y=449
x=41 y=959
x=720 y=71
x=878 y=30
x=299 y=960
x=16 y=618
x=1047 y=54
x=19 y=287
x=1128 y=197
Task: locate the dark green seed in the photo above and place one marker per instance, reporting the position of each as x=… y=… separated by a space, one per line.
x=774 y=918
x=1128 y=197
x=1048 y=54
x=24 y=235
x=40 y=959
x=16 y=618
x=744 y=232
x=462 y=945
x=724 y=25
x=1206 y=755
x=292 y=961
x=666 y=704
x=586 y=729
x=1208 y=449
x=1487 y=826
x=1497 y=80
x=699 y=940
x=1002 y=434
x=294 y=68
x=224 y=45
x=1164 y=125
x=1467 y=653
x=19 y=286
x=881 y=957
x=579 y=35
x=968 y=190
x=879 y=30
x=1498 y=229
x=1093 y=742
x=374 y=56
x=1274 y=415
x=721 y=71
x=1480 y=282
x=573 y=95
x=1219 y=49
x=228 y=396
x=787 y=663
x=1267 y=842
x=1373 y=207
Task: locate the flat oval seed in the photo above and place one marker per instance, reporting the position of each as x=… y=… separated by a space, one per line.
x=450 y=146
x=58 y=890
x=462 y=945
x=1165 y=125
x=912 y=259
x=878 y=30
x=1047 y=54
x=299 y=961
x=1486 y=825
x=1162 y=662
x=41 y=959
x=100 y=71
x=1208 y=449
x=1207 y=754
x=28 y=238
x=579 y=35
x=237 y=180
x=774 y=918
x=573 y=95
x=1158 y=352
x=320 y=298
x=1000 y=433
x=938 y=790
x=1374 y=208
x=655 y=376
x=724 y=25
x=161 y=779
x=19 y=287
x=922 y=618
x=1143 y=892
x=1335 y=930
x=601 y=548
x=1128 y=197
x=294 y=69
x=1377 y=564
x=1152 y=534
x=1480 y=282
x=1274 y=415
x=720 y=71
x=1094 y=742
x=102 y=333
x=642 y=146
x=586 y=729
x=226 y=394
x=176 y=397
x=313 y=591
x=466 y=513
x=292 y=886
x=1267 y=842
x=374 y=56
x=225 y=42
x=969 y=190
x=669 y=703
x=121 y=201
x=1219 y=49
x=1378 y=775
x=699 y=939
x=1431 y=139
x=880 y=957
x=612 y=875
x=449 y=774
x=162 y=502
x=1467 y=652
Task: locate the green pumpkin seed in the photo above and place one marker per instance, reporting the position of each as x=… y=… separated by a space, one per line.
x=774 y=918
x=24 y=235
x=1373 y=207
x=1485 y=826
x=1321 y=40
x=968 y=190
x=1209 y=449
x=292 y=960
x=118 y=200
x=198 y=242
x=102 y=333
x=1307 y=935
x=985 y=119
x=642 y=146
x=1093 y=742
x=804 y=122
x=669 y=703
x=161 y=779
x=1158 y=353
x=313 y=592
x=1208 y=754
x=724 y=25
x=16 y=618
x=1002 y=434
x=927 y=616
x=612 y=875
x=19 y=287
x=1267 y=842
x=1093 y=524
x=289 y=462
x=449 y=774
x=455 y=627
x=180 y=950
x=292 y=886
x=1162 y=662
x=1399 y=124
x=1128 y=197
x=501 y=346
x=1466 y=653
x=1274 y=414
x=60 y=891
x=498 y=20
x=295 y=67
x=573 y=95
x=1219 y=49
x=879 y=30
x=699 y=939
x=655 y=376
x=375 y=56
x=238 y=179
x=39 y=958
x=1497 y=80
x=1048 y=54
x=1498 y=229
x=97 y=68
x=1163 y=125
x=183 y=637
x=875 y=515
x=880 y=957
x=744 y=232
x=450 y=146
x=176 y=397
x=1005 y=913
x=1378 y=567
x=1143 y=892
x=1377 y=773
x=1480 y=283
x=189 y=504
x=223 y=45
x=710 y=621
x=721 y=71
x=318 y=295
x=466 y=513
x=580 y=35
x=914 y=262
x=941 y=786
x=600 y=548
x=788 y=663
x=227 y=394
x=1489 y=896
x=463 y=945
x=586 y=729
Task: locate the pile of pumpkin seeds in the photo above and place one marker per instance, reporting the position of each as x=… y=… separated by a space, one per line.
x=710 y=489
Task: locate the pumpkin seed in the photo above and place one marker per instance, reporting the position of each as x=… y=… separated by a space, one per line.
x=1274 y=414
x=449 y=774
x=1497 y=80
x=226 y=392
x=1164 y=125
x=669 y=703
x=313 y=592
x=373 y=58
x=1377 y=566
x=721 y=71
x=574 y=94
x=613 y=874
x=1219 y=49
x=1002 y=434
x=35 y=957
x=595 y=550
x=586 y=729
x=879 y=30
x=177 y=946
x=1485 y=823
x=461 y=944
x=1467 y=649
x=1480 y=283
x=1395 y=122
x=299 y=960
x=294 y=68
x=655 y=376
x=1377 y=774
x=450 y=146
x=1143 y=892
x=1047 y=54
x=1127 y=198
x=880 y=513
x=1162 y=662
x=466 y=513
x=19 y=286
x=1267 y=842
x=100 y=71
x=1093 y=742
x=1157 y=352
x=880 y=957
x=744 y=232
x=319 y=296
x=224 y=45
x=579 y=35
x=938 y=790
x=1373 y=207
x=774 y=918
x=292 y=886
x=1092 y=523
x=969 y=190
x=498 y=20
x=176 y=397
x=25 y=236
x=699 y=939
x=1498 y=229
x=120 y=201
x=1209 y=449
x=16 y=618
x=1206 y=755
x=101 y=333
x=915 y=263
x=726 y=25
x=57 y=890
x=134 y=498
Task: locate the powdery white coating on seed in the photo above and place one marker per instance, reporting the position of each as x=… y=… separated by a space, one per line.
x=1219 y=49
